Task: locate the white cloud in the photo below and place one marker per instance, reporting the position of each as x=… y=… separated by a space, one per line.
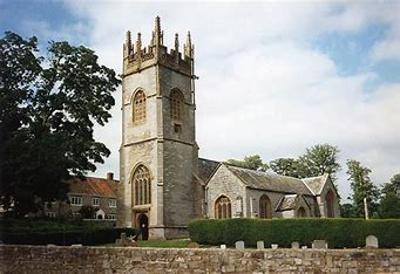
x=263 y=88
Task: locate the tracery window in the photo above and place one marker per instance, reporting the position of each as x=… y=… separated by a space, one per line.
x=223 y=208
x=265 y=207
x=139 y=107
x=176 y=104
x=141 y=186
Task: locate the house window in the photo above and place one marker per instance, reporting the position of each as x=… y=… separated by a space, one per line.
x=141 y=186
x=223 y=208
x=96 y=201
x=139 y=107
x=51 y=214
x=111 y=216
x=176 y=105
x=265 y=207
x=76 y=200
x=112 y=203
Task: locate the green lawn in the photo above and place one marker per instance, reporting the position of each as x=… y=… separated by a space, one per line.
x=164 y=243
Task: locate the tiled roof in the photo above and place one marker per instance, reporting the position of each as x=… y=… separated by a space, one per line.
x=206 y=168
x=288 y=202
x=316 y=183
x=93 y=186
x=269 y=181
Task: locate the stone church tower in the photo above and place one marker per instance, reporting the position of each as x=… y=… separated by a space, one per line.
x=159 y=154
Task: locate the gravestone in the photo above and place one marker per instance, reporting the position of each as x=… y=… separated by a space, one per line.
x=223 y=246
x=193 y=245
x=274 y=246
x=260 y=244
x=123 y=237
x=371 y=241
x=239 y=245
x=295 y=245
x=319 y=244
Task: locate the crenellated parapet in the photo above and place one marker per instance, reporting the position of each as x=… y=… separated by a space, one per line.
x=136 y=57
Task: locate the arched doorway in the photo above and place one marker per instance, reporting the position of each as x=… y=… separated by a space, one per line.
x=265 y=207
x=301 y=212
x=143 y=225
x=330 y=198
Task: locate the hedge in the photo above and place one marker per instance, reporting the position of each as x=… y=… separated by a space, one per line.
x=83 y=236
x=339 y=233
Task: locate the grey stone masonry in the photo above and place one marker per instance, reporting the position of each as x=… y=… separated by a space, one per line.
x=41 y=259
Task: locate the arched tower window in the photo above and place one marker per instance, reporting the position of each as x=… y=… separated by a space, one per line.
x=139 y=107
x=301 y=212
x=330 y=198
x=176 y=105
x=223 y=208
x=265 y=207
x=141 y=186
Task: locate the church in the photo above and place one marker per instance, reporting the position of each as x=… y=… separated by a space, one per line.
x=163 y=183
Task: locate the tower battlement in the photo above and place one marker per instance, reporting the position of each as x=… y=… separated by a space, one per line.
x=136 y=57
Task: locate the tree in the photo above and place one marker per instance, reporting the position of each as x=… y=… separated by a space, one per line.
x=88 y=212
x=285 y=167
x=319 y=160
x=251 y=162
x=48 y=107
x=347 y=211
x=362 y=187
x=390 y=200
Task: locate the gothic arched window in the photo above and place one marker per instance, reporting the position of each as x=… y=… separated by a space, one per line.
x=330 y=197
x=223 y=208
x=265 y=207
x=139 y=107
x=176 y=104
x=141 y=186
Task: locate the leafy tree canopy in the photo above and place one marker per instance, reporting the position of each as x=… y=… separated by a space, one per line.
x=251 y=162
x=316 y=161
x=390 y=200
x=48 y=107
x=362 y=187
x=286 y=167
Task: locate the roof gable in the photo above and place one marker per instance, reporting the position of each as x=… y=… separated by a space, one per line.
x=206 y=168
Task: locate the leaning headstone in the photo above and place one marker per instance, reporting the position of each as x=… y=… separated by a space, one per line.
x=295 y=245
x=260 y=244
x=319 y=244
x=223 y=246
x=239 y=245
x=371 y=241
x=274 y=246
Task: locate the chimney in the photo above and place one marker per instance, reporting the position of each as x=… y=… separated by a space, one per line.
x=110 y=176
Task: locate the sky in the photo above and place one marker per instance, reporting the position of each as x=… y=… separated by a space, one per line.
x=274 y=77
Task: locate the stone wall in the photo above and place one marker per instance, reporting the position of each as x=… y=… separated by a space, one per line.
x=39 y=259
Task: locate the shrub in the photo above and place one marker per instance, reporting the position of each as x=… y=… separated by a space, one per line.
x=85 y=237
x=338 y=233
